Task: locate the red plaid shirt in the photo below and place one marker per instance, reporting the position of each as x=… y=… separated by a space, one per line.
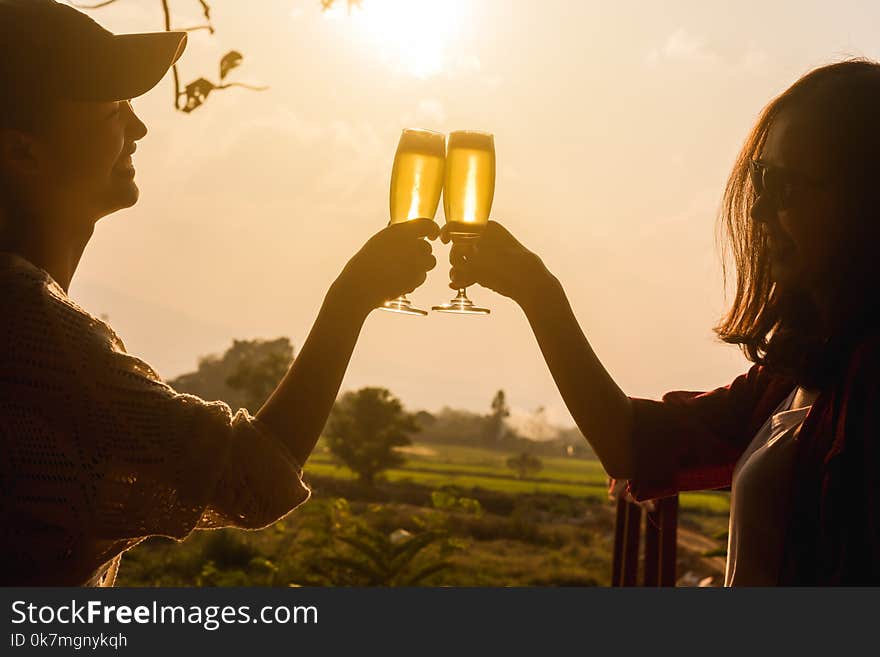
x=692 y=441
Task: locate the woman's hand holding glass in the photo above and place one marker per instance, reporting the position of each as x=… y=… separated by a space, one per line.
x=499 y=262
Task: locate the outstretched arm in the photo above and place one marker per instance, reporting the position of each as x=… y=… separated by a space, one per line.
x=600 y=409
x=393 y=262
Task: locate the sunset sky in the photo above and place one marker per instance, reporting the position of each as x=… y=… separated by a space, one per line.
x=615 y=126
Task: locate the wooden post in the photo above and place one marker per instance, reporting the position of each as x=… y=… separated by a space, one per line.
x=617 y=554
x=652 y=548
x=631 y=544
x=668 y=533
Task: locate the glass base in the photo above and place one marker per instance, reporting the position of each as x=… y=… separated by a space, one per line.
x=461 y=305
x=403 y=306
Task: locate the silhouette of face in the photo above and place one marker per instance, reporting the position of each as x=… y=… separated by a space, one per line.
x=85 y=157
x=803 y=235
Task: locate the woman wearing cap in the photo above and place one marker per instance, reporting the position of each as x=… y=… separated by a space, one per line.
x=796 y=436
x=99 y=453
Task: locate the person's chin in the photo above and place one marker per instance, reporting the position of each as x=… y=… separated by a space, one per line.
x=118 y=201
x=125 y=192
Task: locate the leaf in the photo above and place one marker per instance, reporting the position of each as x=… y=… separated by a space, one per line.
x=442 y=499
x=406 y=552
x=196 y=93
x=373 y=578
x=425 y=572
x=263 y=564
x=230 y=60
x=471 y=506
x=364 y=549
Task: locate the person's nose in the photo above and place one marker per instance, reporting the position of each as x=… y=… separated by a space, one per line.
x=135 y=128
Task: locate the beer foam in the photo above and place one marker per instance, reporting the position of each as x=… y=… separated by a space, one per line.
x=471 y=139
x=423 y=141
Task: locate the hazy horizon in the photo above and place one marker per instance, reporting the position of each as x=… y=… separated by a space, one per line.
x=615 y=129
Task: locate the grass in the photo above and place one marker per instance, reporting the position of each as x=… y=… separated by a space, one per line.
x=475 y=461
x=522 y=548
x=470 y=468
x=555 y=529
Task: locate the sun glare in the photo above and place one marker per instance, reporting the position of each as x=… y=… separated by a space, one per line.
x=416 y=36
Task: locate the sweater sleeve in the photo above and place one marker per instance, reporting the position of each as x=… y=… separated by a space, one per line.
x=131 y=457
x=692 y=440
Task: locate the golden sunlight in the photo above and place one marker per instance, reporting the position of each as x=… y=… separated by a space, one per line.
x=416 y=36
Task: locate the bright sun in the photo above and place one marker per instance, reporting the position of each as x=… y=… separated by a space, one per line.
x=414 y=35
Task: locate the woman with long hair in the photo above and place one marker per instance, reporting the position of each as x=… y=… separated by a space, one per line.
x=796 y=436
x=98 y=452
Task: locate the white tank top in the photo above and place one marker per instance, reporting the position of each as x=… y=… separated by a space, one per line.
x=759 y=499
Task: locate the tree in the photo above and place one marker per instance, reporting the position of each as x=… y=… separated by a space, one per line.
x=495 y=428
x=364 y=428
x=453 y=426
x=424 y=419
x=258 y=376
x=525 y=465
x=244 y=376
x=538 y=427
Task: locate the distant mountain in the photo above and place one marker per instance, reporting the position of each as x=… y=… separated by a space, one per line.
x=170 y=339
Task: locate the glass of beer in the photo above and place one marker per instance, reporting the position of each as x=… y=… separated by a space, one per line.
x=416 y=185
x=468 y=190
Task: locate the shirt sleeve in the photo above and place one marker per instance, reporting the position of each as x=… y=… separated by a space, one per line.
x=150 y=460
x=691 y=440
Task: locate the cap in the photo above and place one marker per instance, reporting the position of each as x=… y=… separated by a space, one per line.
x=51 y=49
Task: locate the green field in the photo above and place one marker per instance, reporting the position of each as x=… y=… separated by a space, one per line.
x=491 y=528
x=470 y=468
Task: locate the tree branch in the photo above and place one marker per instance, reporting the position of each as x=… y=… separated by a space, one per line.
x=241 y=84
x=96 y=6
x=206 y=9
x=200 y=93
x=177 y=92
x=167 y=12
x=210 y=28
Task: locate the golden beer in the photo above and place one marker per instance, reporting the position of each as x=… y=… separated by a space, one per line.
x=417 y=175
x=469 y=185
x=416 y=185
x=468 y=191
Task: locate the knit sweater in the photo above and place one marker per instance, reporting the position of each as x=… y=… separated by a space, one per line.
x=99 y=453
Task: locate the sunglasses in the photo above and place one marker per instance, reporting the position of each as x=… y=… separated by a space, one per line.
x=779 y=184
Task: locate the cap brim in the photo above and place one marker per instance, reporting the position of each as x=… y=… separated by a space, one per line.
x=129 y=65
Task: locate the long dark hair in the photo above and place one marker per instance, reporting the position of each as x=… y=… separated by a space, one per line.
x=781 y=328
